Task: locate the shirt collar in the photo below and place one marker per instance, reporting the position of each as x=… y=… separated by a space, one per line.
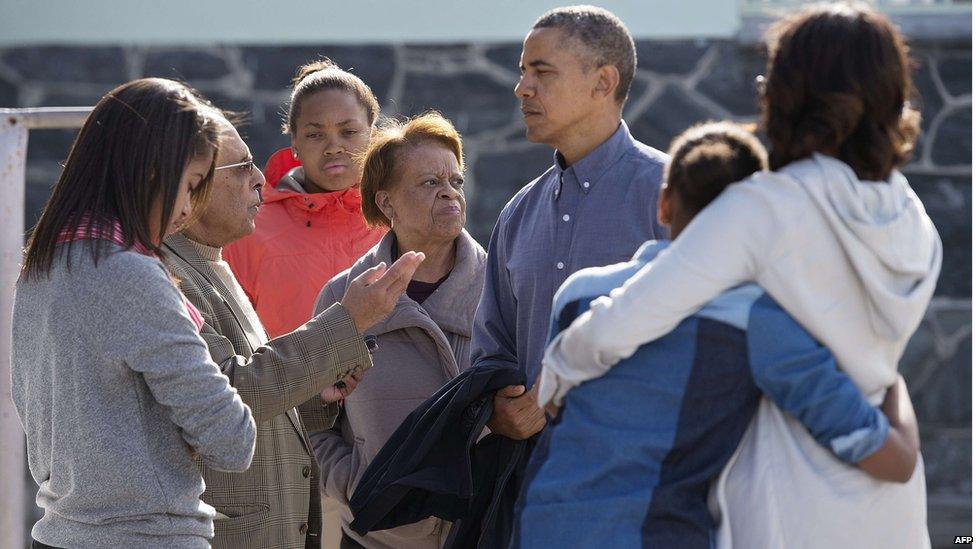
x=592 y=166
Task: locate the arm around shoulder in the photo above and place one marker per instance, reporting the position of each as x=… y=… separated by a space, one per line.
x=724 y=245
x=803 y=379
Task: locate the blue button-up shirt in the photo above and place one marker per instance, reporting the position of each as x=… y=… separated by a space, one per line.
x=596 y=212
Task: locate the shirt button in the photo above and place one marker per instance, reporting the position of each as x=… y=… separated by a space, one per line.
x=303 y=529
x=560 y=265
x=586 y=184
x=565 y=217
x=306 y=471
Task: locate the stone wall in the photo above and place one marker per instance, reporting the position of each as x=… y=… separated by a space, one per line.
x=678 y=83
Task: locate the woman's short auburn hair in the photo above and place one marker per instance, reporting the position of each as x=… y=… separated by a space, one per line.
x=387 y=146
x=838 y=82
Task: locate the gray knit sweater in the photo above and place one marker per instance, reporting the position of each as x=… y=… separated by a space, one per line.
x=111 y=382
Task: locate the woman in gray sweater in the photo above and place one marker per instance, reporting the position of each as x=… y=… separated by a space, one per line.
x=412 y=183
x=111 y=380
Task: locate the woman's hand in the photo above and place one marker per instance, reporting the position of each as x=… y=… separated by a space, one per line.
x=895 y=461
x=342 y=388
x=897 y=406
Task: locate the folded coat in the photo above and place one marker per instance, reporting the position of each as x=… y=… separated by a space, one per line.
x=437 y=464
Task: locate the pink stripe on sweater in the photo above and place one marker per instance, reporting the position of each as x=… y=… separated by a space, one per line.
x=113 y=233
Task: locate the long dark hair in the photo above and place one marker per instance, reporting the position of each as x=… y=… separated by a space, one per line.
x=129 y=156
x=838 y=82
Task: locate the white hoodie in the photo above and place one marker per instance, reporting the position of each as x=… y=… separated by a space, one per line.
x=854 y=262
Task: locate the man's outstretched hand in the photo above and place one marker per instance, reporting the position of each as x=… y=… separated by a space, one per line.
x=372 y=295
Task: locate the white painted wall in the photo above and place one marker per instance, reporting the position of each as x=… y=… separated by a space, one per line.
x=186 y=22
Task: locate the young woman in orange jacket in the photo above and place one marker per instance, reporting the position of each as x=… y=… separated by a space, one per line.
x=310 y=227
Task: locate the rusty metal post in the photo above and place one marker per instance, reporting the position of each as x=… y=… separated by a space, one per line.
x=15 y=124
x=13 y=161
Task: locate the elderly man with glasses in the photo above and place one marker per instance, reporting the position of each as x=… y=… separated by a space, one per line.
x=293 y=383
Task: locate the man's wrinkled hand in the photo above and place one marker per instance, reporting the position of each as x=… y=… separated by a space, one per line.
x=342 y=389
x=372 y=295
x=516 y=413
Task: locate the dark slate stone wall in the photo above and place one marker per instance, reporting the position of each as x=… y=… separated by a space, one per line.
x=678 y=83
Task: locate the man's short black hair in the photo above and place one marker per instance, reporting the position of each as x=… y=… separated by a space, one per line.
x=603 y=34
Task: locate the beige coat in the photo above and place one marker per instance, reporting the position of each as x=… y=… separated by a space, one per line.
x=275 y=503
x=420 y=348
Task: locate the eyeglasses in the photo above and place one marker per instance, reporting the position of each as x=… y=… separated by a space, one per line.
x=247 y=166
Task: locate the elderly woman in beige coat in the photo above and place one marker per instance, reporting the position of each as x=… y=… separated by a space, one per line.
x=413 y=184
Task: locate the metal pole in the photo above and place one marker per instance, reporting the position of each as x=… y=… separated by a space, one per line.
x=50 y=118
x=14 y=127
x=13 y=161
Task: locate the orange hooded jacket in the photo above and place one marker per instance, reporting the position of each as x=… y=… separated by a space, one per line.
x=300 y=242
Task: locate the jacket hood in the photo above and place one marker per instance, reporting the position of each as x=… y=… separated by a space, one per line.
x=290 y=188
x=888 y=238
x=452 y=306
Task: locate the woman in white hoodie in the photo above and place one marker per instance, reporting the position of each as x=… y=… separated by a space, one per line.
x=839 y=239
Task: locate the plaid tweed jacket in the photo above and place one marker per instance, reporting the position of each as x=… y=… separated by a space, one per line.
x=275 y=503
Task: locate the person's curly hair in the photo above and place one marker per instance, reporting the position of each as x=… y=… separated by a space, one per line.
x=838 y=83
x=706 y=158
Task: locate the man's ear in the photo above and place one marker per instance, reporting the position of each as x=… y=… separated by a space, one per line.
x=665 y=205
x=608 y=79
x=294 y=149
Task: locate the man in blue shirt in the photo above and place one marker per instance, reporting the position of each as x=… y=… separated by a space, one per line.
x=594 y=206
x=631 y=457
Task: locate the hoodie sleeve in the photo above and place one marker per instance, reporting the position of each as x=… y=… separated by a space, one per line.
x=726 y=244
